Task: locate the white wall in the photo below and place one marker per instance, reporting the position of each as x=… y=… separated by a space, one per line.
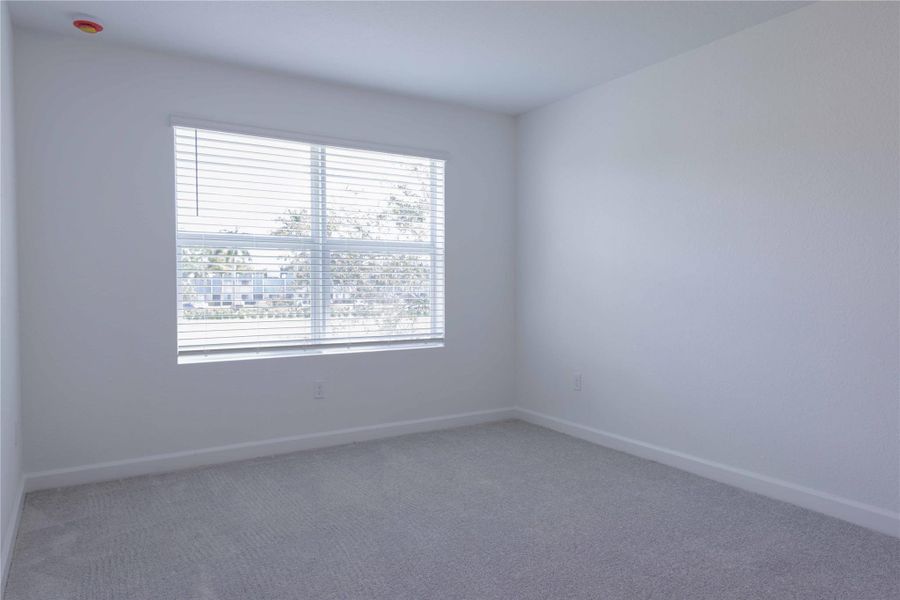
x=713 y=242
x=97 y=224
x=10 y=407
x=10 y=404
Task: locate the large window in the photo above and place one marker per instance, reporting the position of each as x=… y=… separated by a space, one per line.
x=288 y=247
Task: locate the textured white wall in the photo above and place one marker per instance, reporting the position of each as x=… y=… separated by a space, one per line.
x=97 y=223
x=10 y=407
x=713 y=242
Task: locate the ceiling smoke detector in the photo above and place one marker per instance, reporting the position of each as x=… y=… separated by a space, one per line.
x=87 y=26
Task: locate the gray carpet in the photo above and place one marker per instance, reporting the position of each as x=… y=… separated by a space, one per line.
x=505 y=510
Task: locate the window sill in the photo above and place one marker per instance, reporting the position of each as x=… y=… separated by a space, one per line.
x=195 y=358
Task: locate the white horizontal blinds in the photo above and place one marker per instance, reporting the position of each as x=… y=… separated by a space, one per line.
x=285 y=244
x=385 y=228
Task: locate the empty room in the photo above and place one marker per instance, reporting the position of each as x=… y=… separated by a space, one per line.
x=474 y=300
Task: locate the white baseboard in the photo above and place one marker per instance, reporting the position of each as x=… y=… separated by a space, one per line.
x=161 y=463
x=858 y=513
x=9 y=539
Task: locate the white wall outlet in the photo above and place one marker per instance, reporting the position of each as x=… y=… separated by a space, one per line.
x=577 y=385
x=319 y=390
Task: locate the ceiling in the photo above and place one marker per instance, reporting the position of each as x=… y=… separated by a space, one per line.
x=503 y=56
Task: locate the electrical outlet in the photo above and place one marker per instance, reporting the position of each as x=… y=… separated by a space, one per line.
x=577 y=386
x=319 y=390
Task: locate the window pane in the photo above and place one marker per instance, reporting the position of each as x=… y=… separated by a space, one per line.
x=243 y=297
x=382 y=296
x=242 y=184
x=376 y=196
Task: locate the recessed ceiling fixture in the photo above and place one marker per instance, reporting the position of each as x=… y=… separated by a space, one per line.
x=87 y=26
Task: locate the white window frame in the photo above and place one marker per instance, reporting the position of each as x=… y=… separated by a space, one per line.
x=320 y=246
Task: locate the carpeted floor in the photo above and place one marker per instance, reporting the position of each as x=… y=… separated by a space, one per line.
x=505 y=510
